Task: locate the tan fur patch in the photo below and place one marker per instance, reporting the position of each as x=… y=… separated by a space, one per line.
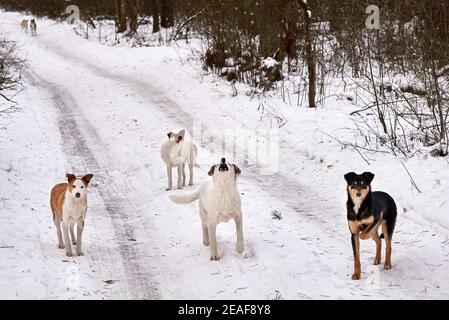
x=354 y=226
x=57 y=199
x=352 y=192
x=368 y=220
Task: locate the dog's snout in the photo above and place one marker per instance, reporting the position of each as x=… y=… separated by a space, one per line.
x=223 y=166
x=358 y=194
x=77 y=194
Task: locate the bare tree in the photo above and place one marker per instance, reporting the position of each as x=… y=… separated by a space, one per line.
x=121 y=15
x=134 y=10
x=156 y=9
x=310 y=55
x=11 y=68
x=167 y=13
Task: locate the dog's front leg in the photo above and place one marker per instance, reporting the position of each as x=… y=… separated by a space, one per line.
x=206 y=241
x=79 y=236
x=356 y=250
x=169 y=175
x=183 y=175
x=240 y=240
x=191 y=174
x=72 y=233
x=212 y=226
x=180 y=174
x=68 y=244
x=59 y=233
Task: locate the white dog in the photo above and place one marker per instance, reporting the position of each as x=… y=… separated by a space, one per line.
x=219 y=201
x=177 y=152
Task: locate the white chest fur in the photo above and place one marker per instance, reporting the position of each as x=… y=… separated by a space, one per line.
x=357 y=203
x=227 y=203
x=73 y=209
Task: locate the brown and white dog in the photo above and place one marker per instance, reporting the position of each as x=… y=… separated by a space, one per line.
x=24 y=25
x=68 y=203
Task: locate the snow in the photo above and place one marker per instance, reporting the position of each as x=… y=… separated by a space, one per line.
x=106 y=110
x=269 y=63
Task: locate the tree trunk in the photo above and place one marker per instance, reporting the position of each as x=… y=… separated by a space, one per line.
x=310 y=54
x=167 y=18
x=155 y=6
x=134 y=6
x=120 y=9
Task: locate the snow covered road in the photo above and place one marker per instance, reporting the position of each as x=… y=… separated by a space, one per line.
x=106 y=110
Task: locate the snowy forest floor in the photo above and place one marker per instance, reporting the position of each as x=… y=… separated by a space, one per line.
x=106 y=110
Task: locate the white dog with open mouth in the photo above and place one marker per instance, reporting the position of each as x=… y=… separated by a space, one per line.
x=219 y=201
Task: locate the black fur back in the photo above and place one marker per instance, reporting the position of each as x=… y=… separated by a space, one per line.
x=383 y=202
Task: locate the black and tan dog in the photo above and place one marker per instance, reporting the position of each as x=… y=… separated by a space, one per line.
x=366 y=212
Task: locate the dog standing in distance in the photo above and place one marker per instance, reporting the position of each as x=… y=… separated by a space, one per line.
x=33 y=28
x=177 y=152
x=68 y=203
x=24 y=25
x=366 y=211
x=219 y=201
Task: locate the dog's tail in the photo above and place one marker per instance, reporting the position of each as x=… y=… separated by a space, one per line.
x=185 y=199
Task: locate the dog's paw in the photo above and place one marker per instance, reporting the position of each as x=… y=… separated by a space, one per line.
x=74 y=243
x=376 y=261
x=168 y=189
x=240 y=247
x=69 y=253
x=80 y=253
x=206 y=243
x=179 y=187
x=356 y=276
x=214 y=258
x=387 y=266
x=190 y=183
x=61 y=246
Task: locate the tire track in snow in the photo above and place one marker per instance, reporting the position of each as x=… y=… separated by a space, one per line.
x=138 y=281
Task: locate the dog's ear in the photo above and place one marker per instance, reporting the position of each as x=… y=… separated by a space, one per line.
x=368 y=176
x=349 y=177
x=170 y=134
x=87 y=178
x=70 y=177
x=181 y=135
x=237 y=169
x=211 y=171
